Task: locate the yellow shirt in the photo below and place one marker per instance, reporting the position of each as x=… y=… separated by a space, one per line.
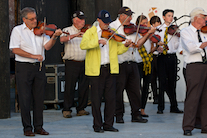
x=93 y=55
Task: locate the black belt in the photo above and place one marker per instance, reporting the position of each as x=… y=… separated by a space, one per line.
x=105 y=65
x=168 y=54
x=129 y=62
x=35 y=63
x=77 y=60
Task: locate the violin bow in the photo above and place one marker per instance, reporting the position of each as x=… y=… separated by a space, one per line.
x=138 y=29
x=42 y=44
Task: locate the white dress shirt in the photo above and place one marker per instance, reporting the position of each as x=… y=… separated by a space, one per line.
x=174 y=40
x=24 y=38
x=132 y=54
x=104 y=49
x=72 y=47
x=191 y=45
x=147 y=46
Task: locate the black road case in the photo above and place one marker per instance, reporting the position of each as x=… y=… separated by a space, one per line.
x=55 y=85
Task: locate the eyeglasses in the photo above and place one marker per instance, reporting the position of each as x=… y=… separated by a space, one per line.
x=202 y=16
x=32 y=19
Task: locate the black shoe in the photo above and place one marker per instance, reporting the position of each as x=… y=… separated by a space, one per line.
x=155 y=101
x=98 y=130
x=111 y=129
x=119 y=119
x=204 y=131
x=139 y=119
x=144 y=115
x=187 y=133
x=176 y=111
x=159 y=112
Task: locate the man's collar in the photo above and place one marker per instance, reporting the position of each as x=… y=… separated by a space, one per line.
x=25 y=27
x=193 y=28
x=164 y=25
x=98 y=28
x=74 y=27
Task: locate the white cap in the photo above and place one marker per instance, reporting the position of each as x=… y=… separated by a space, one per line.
x=196 y=11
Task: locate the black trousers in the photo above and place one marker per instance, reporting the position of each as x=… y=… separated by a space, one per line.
x=154 y=77
x=105 y=84
x=75 y=72
x=31 y=87
x=145 y=86
x=195 y=102
x=167 y=73
x=128 y=79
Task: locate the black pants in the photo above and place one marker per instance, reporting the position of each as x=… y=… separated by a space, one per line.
x=75 y=72
x=195 y=102
x=31 y=87
x=128 y=79
x=145 y=86
x=105 y=84
x=167 y=73
x=154 y=77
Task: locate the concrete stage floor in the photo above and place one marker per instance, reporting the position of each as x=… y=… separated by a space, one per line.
x=167 y=125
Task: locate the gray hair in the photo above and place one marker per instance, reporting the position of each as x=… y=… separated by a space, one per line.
x=192 y=17
x=27 y=10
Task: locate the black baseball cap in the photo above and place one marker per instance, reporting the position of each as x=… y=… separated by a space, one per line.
x=79 y=14
x=104 y=16
x=125 y=10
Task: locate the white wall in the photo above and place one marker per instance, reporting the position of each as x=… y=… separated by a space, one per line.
x=180 y=7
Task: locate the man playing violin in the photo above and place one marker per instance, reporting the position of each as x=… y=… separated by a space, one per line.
x=194 y=43
x=167 y=65
x=75 y=67
x=30 y=69
x=101 y=68
x=128 y=77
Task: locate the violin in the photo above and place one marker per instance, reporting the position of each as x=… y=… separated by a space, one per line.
x=108 y=33
x=204 y=28
x=47 y=29
x=156 y=39
x=130 y=29
x=86 y=27
x=117 y=37
x=172 y=29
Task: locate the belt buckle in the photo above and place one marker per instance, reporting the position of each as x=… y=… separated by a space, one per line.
x=105 y=65
x=35 y=63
